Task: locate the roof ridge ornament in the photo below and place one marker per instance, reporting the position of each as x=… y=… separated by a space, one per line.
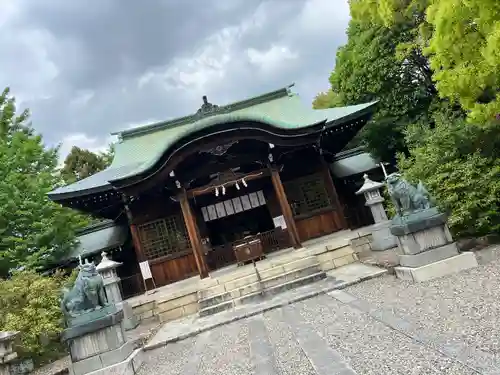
x=207 y=108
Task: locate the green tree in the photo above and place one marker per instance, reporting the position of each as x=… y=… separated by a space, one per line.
x=109 y=154
x=34 y=232
x=81 y=163
x=390 y=12
x=327 y=99
x=369 y=68
x=465 y=54
x=460 y=165
x=30 y=304
x=461 y=40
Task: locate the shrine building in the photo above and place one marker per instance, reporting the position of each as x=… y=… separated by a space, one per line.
x=266 y=169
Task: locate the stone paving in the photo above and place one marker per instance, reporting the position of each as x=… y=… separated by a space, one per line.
x=322 y=335
x=381 y=326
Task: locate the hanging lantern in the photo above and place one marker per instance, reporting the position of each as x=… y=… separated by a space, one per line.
x=237 y=186
x=216 y=191
x=244 y=182
x=223 y=190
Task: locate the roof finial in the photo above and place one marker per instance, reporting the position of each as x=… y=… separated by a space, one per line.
x=207 y=108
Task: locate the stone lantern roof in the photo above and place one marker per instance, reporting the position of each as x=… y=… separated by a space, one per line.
x=106 y=263
x=369 y=185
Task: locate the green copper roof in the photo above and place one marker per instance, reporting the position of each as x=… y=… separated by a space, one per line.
x=100 y=237
x=140 y=148
x=353 y=164
x=283 y=113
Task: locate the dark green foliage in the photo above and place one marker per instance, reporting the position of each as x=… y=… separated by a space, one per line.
x=29 y=303
x=80 y=164
x=369 y=68
x=34 y=232
x=460 y=165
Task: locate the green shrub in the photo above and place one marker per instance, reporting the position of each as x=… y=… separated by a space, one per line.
x=30 y=304
x=460 y=165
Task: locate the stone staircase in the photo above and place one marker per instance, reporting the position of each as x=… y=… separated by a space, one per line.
x=233 y=286
x=265 y=279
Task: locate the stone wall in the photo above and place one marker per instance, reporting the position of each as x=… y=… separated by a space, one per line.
x=334 y=257
x=167 y=308
x=362 y=243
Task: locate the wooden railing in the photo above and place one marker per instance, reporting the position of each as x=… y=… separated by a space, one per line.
x=274 y=240
x=223 y=255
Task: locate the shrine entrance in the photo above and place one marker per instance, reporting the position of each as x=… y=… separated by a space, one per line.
x=237 y=216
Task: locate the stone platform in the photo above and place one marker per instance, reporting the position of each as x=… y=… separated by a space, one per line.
x=99 y=346
x=439 y=268
x=193 y=325
x=228 y=287
x=427 y=249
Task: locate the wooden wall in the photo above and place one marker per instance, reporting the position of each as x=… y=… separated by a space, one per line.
x=318 y=225
x=172 y=270
x=165 y=270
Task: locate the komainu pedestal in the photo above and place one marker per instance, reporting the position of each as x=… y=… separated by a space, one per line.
x=97 y=344
x=426 y=247
x=95 y=332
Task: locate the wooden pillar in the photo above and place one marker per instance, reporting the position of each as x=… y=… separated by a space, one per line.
x=137 y=243
x=285 y=208
x=330 y=186
x=194 y=234
x=134 y=232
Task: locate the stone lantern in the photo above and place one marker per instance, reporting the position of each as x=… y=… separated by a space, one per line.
x=374 y=199
x=111 y=280
x=9 y=363
x=382 y=237
x=7 y=352
x=107 y=269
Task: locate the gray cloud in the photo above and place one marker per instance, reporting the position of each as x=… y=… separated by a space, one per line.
x=88 y=69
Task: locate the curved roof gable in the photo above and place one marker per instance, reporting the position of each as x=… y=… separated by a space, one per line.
x=141 y=148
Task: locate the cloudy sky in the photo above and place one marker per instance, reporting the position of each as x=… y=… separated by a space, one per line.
x=86 y=68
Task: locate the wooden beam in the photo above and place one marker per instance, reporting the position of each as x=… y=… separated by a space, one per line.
x=285 y=208
x=194 y=234
x=332 y=192
x=209 y=189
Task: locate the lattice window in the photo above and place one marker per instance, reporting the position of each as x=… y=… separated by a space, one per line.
x=164 y=237
x=307 y=194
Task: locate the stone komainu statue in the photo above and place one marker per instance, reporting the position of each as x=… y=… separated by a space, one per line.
x=405 y=196
x=86 y=295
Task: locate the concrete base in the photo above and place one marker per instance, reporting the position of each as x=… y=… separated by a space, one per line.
x=103 y=361
x=16 y=367
x=129 y=319
x=429 y=256
x=441 y=268
x=129 y=366
x=97 y=345
x=382 y=237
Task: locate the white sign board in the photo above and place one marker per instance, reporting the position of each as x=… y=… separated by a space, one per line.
x=279 y=221
x=145 y=270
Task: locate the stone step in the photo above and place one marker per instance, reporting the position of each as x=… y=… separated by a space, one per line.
x=267 y=269
x=215 y=300
x=255 y=285
x=280 y=288
x=214 y=309
x=308 y=277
